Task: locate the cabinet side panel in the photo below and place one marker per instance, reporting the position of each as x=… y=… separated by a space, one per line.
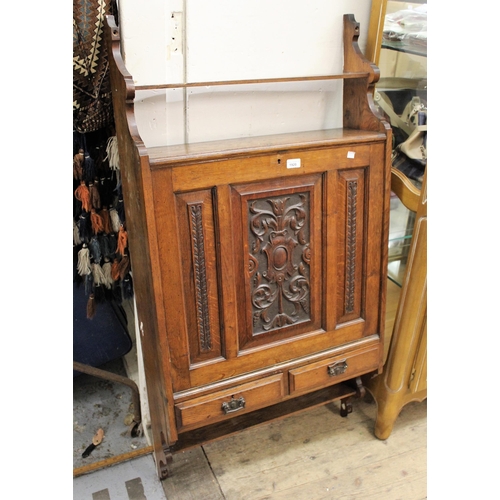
x=171 y=272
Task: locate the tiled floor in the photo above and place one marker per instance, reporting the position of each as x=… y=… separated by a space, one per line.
x=132 y=480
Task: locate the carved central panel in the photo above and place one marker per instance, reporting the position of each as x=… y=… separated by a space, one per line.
x=279 y=261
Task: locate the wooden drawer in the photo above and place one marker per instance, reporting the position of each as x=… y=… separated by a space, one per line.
x=227 y=403
x=332 y=370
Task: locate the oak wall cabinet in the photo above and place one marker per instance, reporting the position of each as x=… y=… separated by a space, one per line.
x=259 y=264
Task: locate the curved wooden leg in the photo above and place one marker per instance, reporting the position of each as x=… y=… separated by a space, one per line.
x=387 y=413
x=389 y=405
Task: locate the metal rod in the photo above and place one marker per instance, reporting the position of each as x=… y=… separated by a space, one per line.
x=113 y=377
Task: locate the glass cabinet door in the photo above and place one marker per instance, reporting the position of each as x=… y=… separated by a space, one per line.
x=402 y=59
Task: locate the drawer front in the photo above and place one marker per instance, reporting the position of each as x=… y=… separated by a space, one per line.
x=332 y=370
x=221 y=405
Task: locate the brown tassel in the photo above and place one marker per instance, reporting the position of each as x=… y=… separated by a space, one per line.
x=78 y=165
x=124 y=266
x=106 y=221
x=82 y=194
x=122 y=241
x=96 y=221
x=95 y=197
x=115 y=270
x=91 y=306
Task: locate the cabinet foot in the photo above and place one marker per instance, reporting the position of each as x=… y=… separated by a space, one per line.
x=345 y=407
x=345 y=403
x=163 y=459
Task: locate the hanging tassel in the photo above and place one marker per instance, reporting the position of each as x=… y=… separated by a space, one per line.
x=106 y=190
x=112 y=153
x=78 y=165
x=106 y=249
x=99 y=294
x=83 y=264
x=100 y=159
x=122 y=241
x=95 y=249
x=117 y=292
x=112 y=245
x=82 y=194
x=89 y=284
x=115 y=220
x=91 y=307
x=95 y=198
x=89 y=169
x=98 y=274
x=106 y=221
x=96 y=221
x=128 y=289
x=120 y=208
x=76 y=234
x=84 y=226
x=115 y=270
x=124 y=266
x=108 y=279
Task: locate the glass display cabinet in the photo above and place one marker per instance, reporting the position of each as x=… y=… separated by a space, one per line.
x=398 y=45
x=402 y=59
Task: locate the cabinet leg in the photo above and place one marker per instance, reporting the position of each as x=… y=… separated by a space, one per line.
x=387 y=413
x=345 y=403
x=164 y=468
x=163 y=459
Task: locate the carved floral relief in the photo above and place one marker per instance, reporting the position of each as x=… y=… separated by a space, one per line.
x=279 y=261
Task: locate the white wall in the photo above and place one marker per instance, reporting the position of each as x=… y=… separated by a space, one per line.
x=176 y=41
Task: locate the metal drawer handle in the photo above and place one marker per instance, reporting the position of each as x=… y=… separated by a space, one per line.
x=233 y=405
x=337 y=368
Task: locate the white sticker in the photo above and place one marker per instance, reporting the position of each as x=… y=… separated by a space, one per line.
x=295 y=163
x=350 y=154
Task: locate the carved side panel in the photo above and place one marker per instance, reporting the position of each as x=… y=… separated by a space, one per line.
x=281 y=259
x=199 y=266
x=351 y=211
x=200 y=275
x=351 y=233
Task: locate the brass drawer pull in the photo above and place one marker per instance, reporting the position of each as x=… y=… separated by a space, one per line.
x=337 y=368
x=233 y=405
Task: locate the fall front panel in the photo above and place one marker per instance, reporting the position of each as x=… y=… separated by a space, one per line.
x=279 y=258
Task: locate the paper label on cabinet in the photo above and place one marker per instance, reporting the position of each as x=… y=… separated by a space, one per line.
x=350 y=154
x=294 y=163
